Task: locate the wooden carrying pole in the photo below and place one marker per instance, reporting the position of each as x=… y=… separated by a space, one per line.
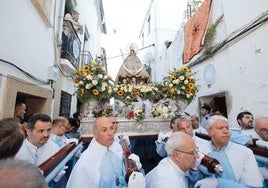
x=130 y=165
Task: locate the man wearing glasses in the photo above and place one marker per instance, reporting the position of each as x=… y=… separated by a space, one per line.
x=172 y=170
x=180 y=124
x=60 y=126
x=238 y=162
x=261 y=128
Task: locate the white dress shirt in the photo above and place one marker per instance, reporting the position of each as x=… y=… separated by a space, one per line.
x=34 y=155
x=166 y=174
x=86 y=172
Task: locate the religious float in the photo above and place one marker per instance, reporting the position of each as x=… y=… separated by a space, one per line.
x=142 y=108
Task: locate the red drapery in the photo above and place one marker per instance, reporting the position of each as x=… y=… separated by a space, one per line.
x=195 y=30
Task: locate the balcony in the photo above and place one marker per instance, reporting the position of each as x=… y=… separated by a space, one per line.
x=71 y=44
x=85 y=58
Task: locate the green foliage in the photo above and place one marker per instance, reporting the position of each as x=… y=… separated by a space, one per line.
x=211 y=32
x=93 y=83
x=179 y=84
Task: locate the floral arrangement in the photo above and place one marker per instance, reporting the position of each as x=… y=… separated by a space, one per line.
x=102 y=110
x=163 y=110
x=139 y=113
x=129 y=93
x=178 y=85
x=93 y=83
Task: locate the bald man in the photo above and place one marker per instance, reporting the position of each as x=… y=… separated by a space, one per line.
x=101 y=164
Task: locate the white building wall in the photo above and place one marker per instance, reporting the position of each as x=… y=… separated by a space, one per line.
x=24 y=42
x=26 y=38
x=28 y=43
x=241 y=68
x=89 y=16
x=165 y=21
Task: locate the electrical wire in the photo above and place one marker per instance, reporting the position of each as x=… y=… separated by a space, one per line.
x=26 y=73
x=127 y=53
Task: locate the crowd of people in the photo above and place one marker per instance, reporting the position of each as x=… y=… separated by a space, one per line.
x=103 y=163
x=227 y=145
x=34 y=140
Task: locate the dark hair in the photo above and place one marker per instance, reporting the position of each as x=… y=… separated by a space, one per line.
x=178 y=119
x=241 y=115
x=206 y=107
x=11 y=137
x=173 y=120
x=37 y=117
x=73 y=122
x=76 y=114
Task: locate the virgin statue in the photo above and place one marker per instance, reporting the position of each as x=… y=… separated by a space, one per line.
x=132 y=70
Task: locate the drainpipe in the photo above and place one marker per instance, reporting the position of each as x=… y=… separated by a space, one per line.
x=60 y=23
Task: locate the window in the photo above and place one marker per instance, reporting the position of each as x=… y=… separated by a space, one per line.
x=65 y=104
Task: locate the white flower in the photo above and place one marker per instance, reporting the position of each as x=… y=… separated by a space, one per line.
x=185 y=81
x=89 y=77
x=115 y=89
x=109 y=90
x=95 y=82
x=176 y=81
x=170 y=85
x=103 y=86
x=81 y=82
x=100 y=75
x=181 y=77
x=183 y=87
x=165 y=109
x=188 y=96
x=88 y=86
x=178 y=92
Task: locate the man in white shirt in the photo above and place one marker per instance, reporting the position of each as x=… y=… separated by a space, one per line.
x=261 y=128
x=101 y=164
x=37 y=147
x=239 y=164
x=171 y=171
x=60 y=126
x=162 y=138
x=178 y=124
x=196 y=127
x=244 y=135
x=205 y=113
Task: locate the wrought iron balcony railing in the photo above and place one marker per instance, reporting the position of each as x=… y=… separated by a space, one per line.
x=85 y=58
x=71 y=44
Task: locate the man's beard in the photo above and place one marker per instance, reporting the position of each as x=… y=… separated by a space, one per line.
x=248 y=126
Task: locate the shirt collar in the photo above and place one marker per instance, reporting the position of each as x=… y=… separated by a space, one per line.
x=213 y=148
